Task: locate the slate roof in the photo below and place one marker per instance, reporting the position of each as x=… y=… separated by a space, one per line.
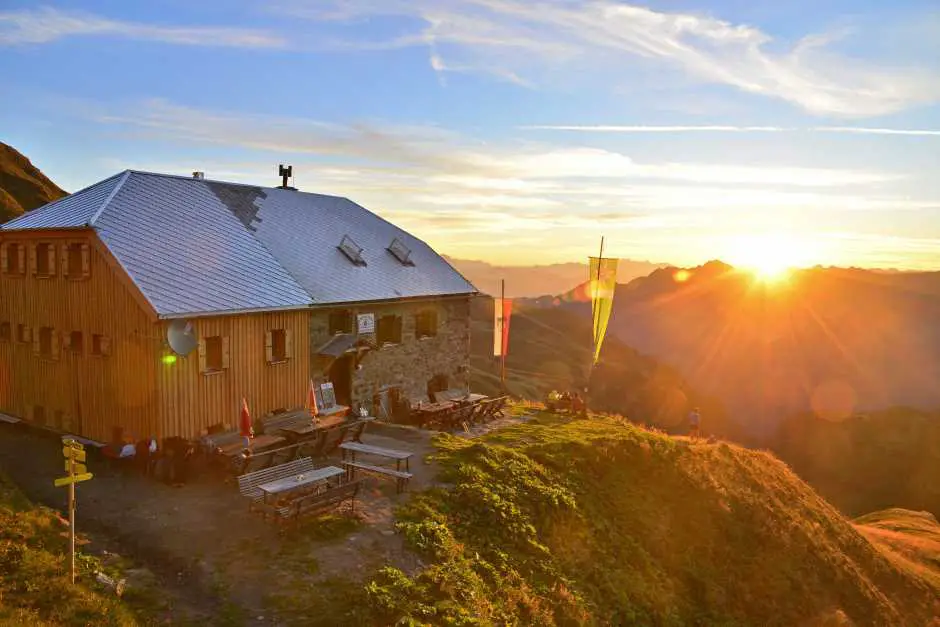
x=195 y=246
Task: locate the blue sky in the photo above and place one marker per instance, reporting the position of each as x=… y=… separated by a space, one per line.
x=510 y=131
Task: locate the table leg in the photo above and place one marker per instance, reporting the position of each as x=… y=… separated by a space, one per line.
x=397 y=465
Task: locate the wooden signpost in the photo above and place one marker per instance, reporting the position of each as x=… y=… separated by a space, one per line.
x=74 y=454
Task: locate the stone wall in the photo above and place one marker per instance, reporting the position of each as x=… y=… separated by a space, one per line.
x=410 y=364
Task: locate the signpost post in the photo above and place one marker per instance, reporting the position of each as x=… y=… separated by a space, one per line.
x=74 y=454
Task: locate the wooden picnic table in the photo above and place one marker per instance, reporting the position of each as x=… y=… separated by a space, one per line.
x=428 y=412
x=259 y=443
x=302 y=481
x=358 y=447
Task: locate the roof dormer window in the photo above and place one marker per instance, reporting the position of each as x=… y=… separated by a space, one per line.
x=352 y=250
x=401 y=252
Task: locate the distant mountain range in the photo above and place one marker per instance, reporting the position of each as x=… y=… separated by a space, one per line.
x=22 y=186
x=830 y=340
x=533 y=281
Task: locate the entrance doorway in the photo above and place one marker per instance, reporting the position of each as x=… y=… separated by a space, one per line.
x=341 y=377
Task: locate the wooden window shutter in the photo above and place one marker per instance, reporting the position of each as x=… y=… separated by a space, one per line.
x=21 y=257
x=50 y=257
x=36 y=346
x=202 y=355
x=66 y=341
x=4 y=264
x=398 y=329
x=55 y=344
x=86 y=260
x=105 y=345
x=225 y=353
x=64 y=269
x=32 y=259
x=288 y=343
x=268 y=346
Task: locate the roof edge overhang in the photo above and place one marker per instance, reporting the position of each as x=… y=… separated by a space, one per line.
x=45 y=229
x=230 y=312
x=389 y=301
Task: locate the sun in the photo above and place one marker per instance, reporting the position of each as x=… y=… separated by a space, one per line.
x=770 y=257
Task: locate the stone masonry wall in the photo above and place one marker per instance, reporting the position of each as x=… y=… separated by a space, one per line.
x=412 y=363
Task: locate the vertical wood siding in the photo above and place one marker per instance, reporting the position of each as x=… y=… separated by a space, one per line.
x=94 y=393
x=191 y=400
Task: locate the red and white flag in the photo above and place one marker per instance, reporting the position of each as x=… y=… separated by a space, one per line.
x=244 y=422
x=502 y=311
x=312 y=400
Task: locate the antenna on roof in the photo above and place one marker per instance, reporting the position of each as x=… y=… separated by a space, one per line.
x=285 y=172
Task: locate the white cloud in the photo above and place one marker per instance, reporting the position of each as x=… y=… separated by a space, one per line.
x=878 y=131
x=46 y=24
x=608 y=38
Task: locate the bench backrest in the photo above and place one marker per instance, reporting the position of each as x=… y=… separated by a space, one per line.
x=249 y=482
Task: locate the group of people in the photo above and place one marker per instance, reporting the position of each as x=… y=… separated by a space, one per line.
x=169 y=463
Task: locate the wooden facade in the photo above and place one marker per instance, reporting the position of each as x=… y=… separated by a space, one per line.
x=82 y=351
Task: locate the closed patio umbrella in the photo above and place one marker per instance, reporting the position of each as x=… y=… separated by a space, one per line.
x=244 y=424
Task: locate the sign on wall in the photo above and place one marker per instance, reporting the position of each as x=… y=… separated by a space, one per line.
x=329 y=394
x=365 y=323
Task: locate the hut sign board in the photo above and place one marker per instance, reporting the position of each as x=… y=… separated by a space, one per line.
x=365 y=323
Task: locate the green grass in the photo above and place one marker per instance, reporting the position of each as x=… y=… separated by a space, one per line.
x=910 y=540
x=34 y=586
x=560 y=522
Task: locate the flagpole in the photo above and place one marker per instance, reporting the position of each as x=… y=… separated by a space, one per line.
x=502 y=331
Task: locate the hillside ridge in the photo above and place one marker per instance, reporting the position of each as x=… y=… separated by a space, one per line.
x=23 y=186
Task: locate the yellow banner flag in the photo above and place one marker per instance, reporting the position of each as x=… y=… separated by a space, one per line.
x=603 y=282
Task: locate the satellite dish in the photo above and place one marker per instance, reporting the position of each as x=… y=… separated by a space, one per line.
x=182 y=337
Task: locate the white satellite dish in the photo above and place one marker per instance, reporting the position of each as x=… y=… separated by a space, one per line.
x=182 y=337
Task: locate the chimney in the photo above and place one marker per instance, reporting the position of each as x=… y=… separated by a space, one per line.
x=199 y=175
x=285 y=172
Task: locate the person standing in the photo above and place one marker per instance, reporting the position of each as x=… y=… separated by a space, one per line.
x=695 y=419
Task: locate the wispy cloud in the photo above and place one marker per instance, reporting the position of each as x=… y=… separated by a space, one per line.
x=878 y=131
x=718 y=128
x=608 y=38
x=617 y=128
x=46 y=24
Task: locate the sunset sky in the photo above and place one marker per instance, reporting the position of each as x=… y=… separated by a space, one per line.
x=515 y=132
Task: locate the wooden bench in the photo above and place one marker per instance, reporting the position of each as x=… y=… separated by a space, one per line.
x=313 y=504
x=248 y=483
x=401 y=477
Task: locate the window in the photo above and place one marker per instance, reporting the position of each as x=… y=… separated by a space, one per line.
x=45 y=260
x=77 y=261
x=12 y=258
x=100 y=345
x=6 y=332
x=277 y=346
x=426 y=324
x=341 y=322
x=352 y=250
x=46 y=338
x=388 y=330
x=213 y=354
x=75 y=342
x=22 y=333
x=401 y=252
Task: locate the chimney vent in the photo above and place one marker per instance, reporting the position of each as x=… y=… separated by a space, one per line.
x=285 y=172
x=199 y=175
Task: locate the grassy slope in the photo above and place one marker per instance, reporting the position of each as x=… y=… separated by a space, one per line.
x=911 y=540
x=600 y=522
x=23 y=187
x=34 y=588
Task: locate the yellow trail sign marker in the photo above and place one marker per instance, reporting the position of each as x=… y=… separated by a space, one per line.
x=74 y=468
x=73 y=453
x=61 y=481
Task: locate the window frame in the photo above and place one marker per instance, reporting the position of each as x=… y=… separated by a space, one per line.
x=17 y=259
x=76 y=261
x=272 y=343
x=425 y=314
x=349 y=321
x=24 y=334
x=100 y=345
x=380 y=328
x=45 y=256
x=214 y=350
x=71 y=346
x=46 y=342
